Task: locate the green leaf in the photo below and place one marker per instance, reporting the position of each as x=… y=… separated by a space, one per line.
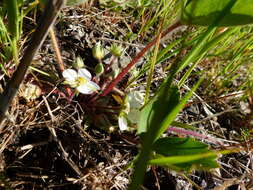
x=184 y=154
x=217 y=12
x=187 y=163
x=179 y=146
x=158 y=108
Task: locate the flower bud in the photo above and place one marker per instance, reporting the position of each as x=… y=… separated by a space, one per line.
x=99 y=69
x=116 y=50
x=78 y=64
x=98 y=52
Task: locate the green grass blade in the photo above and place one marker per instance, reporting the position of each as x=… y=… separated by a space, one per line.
x=187 y=158
x=13 y=25
x=208 y=45
x=181 y=159
x=151 y=70
x=194 y=54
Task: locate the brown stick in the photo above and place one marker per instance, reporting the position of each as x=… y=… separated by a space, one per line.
x=50 y=14
x=58 y=57
x=56 y=49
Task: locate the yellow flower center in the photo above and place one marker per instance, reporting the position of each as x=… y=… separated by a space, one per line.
x=81 y=81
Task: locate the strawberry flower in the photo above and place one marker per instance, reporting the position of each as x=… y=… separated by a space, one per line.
x=130 y=114
x=81 y=80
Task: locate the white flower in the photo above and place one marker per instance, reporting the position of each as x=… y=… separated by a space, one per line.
x=81 y=80
x=136 y=99
x=122 y=121
x=130 y=114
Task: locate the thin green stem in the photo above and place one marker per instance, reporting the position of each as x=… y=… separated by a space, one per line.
x=151 y=69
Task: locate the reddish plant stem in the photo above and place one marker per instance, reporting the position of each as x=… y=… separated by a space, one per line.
x=137 y=57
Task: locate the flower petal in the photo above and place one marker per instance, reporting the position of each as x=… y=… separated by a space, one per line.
x=136 y=99
x=88 y=88
x=122 y=123
x=69 y=74
x=134 y=116
x=93 y=85
x=84 y=73
x=84 y=89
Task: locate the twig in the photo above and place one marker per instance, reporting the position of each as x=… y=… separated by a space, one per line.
x=58 y=57
x=212 y=116
x=214 y=99
x=56 y=49
x=5 y=143
x=192 y=182
x=49 y=109
x=230 y=182
x=50 y=14
x=156 y=177
x=64 y=153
